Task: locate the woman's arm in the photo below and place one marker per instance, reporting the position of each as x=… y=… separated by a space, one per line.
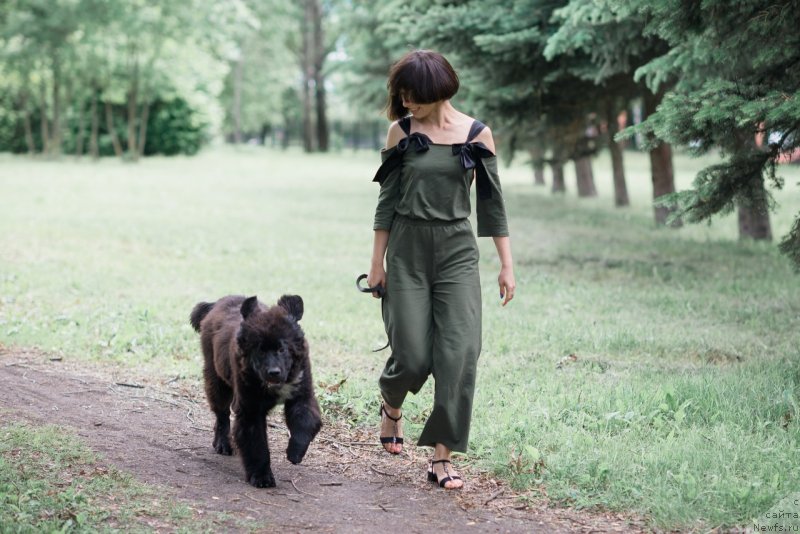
x=377 y=273
x=506 y=279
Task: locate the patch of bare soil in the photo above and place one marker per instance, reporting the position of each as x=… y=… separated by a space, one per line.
x=160 y=431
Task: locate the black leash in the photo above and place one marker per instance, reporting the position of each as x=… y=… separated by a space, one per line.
x=376 y=289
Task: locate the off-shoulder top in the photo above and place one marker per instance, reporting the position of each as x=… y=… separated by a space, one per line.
x=420 y=179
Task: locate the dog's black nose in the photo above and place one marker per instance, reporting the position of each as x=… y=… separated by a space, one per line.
x=274 y=372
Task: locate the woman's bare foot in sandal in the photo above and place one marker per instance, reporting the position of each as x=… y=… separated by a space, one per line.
x=441 y=470
x=391 y=429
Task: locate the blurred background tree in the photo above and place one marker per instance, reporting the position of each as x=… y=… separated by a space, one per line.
x=555 y=79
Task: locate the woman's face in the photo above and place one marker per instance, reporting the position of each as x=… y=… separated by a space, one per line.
x=418 y=111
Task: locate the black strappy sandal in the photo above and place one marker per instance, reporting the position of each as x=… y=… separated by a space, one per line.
x=391 y=439
x=433 y=478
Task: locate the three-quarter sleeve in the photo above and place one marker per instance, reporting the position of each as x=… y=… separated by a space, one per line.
x=490 y=208
x=388 y=176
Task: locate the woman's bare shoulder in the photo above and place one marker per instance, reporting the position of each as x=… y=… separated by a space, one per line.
x=394 y=135
x=485 y=137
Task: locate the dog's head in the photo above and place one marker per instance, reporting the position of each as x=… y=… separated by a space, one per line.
x=271 y=341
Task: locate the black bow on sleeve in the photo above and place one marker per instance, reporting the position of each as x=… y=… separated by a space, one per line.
x=470 y=153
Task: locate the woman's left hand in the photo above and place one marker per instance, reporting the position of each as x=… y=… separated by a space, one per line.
x=507 y=284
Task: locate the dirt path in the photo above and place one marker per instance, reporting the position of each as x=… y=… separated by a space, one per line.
x=161 y=433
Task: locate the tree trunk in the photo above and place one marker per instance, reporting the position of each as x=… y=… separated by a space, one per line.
x=578 y=147
x=55 y=145
x=26 y=121
x=754 y=212
x=133 y=95
x=754 y=219
x=308 y=77
x=81 y=127
x=537 y=162
x=308 y=131
x=557 y=166
x=663 y=181
x=377 y=141
x=559 y=186
x=318 y=41
x=617 y=165
x=236 y=111
x=43 y=122
x=538 y=173
x=111 y=130
x=583 y=171
x=660 y=168
x=355 y=135
x=144 y=117
x=94 y=149
x=323 y=137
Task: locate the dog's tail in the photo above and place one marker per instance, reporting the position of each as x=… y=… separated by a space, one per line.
x=199 y=312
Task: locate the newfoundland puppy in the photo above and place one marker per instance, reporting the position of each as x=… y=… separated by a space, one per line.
x=256 y=357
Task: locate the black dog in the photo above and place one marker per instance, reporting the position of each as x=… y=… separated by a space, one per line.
x=257 y=357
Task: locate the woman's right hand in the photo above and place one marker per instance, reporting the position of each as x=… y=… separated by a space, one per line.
x=376 y=276
x=377 y=273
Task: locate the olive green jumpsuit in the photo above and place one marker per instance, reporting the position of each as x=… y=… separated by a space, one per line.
x=432 y=307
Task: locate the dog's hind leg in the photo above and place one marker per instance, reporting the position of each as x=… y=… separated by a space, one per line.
x=219 y=396
x=250 y=436
x=304 y=421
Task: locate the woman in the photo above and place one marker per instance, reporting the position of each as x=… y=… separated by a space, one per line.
x=432 y=306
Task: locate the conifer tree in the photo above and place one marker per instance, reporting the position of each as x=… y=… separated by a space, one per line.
x=605 y=45
x=738 y=70
x=497 y=48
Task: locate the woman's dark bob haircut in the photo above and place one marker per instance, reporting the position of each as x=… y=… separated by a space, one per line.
x=424 y=77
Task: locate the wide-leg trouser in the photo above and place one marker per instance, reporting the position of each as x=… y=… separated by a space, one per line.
x=432 y=313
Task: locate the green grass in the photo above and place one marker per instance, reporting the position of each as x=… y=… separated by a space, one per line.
x=50 y=482
x=680 y=404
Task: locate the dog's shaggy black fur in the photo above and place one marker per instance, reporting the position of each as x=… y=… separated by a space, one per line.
x=255 y=358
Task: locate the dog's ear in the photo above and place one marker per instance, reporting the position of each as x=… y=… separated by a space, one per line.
x=249 y=306
x=292 y=304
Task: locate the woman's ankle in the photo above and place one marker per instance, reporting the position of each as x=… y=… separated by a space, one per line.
x=394 y=412
x=441 y=452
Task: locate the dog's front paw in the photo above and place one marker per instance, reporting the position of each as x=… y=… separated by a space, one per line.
x=223 y=446
x=261 y=480
x=296 y=451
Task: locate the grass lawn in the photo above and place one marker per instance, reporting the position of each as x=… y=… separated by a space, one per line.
x=641 y=369
x=50 y=482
